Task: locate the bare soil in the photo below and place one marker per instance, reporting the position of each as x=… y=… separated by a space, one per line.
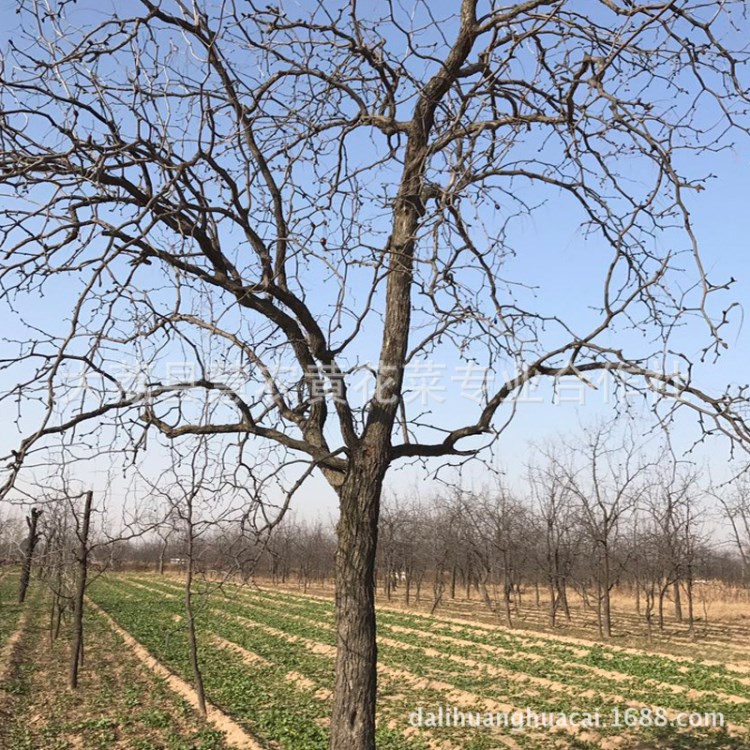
x=119 y=704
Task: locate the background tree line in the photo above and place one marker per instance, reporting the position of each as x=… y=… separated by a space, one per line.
x=592 y=517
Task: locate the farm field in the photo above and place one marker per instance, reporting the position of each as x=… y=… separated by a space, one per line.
x=119 y=704
x=268 y=656
x=432 y=311
x=723 y=622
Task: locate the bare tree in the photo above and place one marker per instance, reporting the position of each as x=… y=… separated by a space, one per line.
x=735 y=501
x=554 y=500
x=647 y=569
x=497 y=534
x=190 y=554
x=672 y=504
x=195 y=499
x=607 y=476
x=165 y=531
x=314 y=553
x=11 y=532
x=197 y=170
x=57 y=564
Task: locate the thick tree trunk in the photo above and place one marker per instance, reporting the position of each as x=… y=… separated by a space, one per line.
x=31 y=521
x=353 y=717
x=82 y=558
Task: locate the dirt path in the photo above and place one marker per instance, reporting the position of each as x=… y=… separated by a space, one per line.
x=11 y=646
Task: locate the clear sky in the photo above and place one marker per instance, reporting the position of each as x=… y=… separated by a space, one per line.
x=555 y=259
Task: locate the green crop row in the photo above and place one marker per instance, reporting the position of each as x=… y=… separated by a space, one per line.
x=558 y=662
x=306 y=618
x=685 y=674
x=257 y=696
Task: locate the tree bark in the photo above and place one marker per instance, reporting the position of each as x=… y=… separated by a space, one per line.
x=607 y=600
x=662 y=594
x=563 y=596
x=353 y=717
x=507 y=595
x=677 y=601
x=691 y=610
x=162 y=554
x=33 y=538
x=190 y=617
x=553 y=604
x=82 y=558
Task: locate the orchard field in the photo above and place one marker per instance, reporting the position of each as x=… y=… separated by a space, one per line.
x=267 y=660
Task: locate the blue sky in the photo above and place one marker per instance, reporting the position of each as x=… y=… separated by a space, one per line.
x=553 y=255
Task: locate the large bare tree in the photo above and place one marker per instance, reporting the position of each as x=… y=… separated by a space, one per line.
x=303 y=203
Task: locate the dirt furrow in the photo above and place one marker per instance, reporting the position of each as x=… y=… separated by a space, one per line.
x=10 y=647
x=236 y=736
x=616 y=676
x=252 y=659
x=453 y=696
